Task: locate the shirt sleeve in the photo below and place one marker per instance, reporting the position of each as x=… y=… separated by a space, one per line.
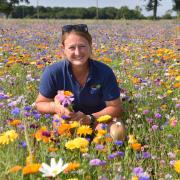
x=47 y=85
x=110 y=87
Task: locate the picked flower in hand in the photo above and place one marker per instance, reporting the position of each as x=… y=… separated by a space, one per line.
x=64 y=98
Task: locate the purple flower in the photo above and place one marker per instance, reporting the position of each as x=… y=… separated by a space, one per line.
x=102 y=178
x=144 y=176
x=177 y=105
x=1 y=105
x=27 y=108
x=95 y=162
x=111 y=156
x=171 y=155
x=37 y=116
x=154 y=127
x=23 y=144
x=118 y=143
x=34 y=126
x=145 y=111
x=137 y=170
x=46 y=133
x=103 y=126
x=47 y=116
x=158 y=116
x=146 y=155
x=119 y=153
x=102 y=163
x=20 y=126
x=99 y=147
x=149 y=120
x=15 y=111
x=27 y=114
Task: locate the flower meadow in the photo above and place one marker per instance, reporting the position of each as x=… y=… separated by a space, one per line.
x=143 y=55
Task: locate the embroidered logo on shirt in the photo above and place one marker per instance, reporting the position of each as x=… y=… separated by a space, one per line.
x=94 y=88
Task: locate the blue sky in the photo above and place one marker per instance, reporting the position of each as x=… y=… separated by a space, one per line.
x=165 y=4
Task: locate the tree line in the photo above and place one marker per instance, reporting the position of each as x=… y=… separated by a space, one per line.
x=12 y=9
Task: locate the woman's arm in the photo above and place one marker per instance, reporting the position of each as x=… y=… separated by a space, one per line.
x=46 y=105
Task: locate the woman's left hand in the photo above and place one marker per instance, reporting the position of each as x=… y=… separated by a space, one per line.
x=81 y=117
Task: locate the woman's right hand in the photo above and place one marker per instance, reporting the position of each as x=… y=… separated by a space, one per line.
x=61 y=110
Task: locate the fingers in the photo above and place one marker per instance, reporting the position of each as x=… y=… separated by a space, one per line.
x=79 y=116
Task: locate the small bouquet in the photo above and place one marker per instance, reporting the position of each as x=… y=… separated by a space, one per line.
x=64 y=98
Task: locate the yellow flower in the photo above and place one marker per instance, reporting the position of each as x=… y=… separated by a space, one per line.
x=84 y=130
x=77 y=143
x=135 y=178
x=84 y=150
x=75 y=124
x=68 y=93
x=8 y=136
x=31 y=169
x=30 y=159
x=177 y=166
x=103 y=119
x=132 y=139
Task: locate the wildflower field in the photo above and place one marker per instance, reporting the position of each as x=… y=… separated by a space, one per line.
x=144 y=57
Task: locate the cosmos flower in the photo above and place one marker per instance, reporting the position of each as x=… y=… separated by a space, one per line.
x=65 y=98
x=8 y=136
x=54 y=169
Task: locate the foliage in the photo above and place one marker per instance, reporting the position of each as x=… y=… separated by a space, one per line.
x=7 y=6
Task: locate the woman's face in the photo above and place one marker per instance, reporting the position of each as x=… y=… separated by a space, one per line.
x=76 y=49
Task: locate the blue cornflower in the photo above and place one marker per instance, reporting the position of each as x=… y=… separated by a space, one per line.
x=15 y=111
x=118 y=143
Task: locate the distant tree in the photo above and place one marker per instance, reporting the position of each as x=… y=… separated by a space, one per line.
x=176 y=7
x=152 y=6
x=7 y=6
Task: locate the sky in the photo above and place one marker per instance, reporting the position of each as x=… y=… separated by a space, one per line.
x=165 y=4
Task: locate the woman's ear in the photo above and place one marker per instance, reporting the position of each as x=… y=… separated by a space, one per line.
x=62 y=50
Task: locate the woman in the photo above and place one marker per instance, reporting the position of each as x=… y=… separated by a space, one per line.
x=93 y=83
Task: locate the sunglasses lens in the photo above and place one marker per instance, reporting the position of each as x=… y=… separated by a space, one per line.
x=78 y=27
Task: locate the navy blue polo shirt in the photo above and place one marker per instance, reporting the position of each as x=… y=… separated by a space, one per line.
x=101 y=85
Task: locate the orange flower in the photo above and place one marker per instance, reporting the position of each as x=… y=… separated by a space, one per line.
x=14 y=122
x=52 y=149
x=15 y=169
x=108 y=139
x=72 y=167
x=31 y=169
x=177 y=85
x=43 y=134
x=136 y=146
x=64 y=129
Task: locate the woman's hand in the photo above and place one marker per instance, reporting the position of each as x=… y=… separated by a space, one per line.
x=81 y=117
x=61 y=110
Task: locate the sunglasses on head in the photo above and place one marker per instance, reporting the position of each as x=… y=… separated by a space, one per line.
x=76 y=27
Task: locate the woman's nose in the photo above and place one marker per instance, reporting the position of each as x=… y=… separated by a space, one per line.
x=77 y=50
